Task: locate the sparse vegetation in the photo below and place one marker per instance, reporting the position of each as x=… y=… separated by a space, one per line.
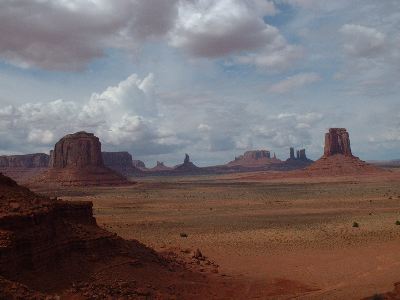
x=356 y=225
x=397 y=222
x=183 y=235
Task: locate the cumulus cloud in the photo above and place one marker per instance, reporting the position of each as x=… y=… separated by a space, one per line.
x=212 y=29
x=294 y=82
x=289 y=129
x=362 y=41
x=209 y=28
x=122 y=115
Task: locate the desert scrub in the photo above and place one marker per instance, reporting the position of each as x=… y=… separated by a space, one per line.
x=356 y=225
x=397 y=222
x=184 y=235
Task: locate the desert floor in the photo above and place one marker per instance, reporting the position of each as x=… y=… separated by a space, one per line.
x=268 y=231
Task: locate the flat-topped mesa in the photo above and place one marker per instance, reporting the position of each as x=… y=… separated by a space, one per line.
x=77 y=161
x=23 y=167
x=36 y=160
x=254 y=158
x=337 y=141
x=117 y=159
x=257 y=154
x=77 y=150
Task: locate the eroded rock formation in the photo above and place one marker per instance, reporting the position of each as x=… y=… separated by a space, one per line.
x=78 y=150
x=117 y=159
x=187 y=165
x=300 y=155
x=37 y=160
x=138 y=164
x=21 y=167
x=338 y=158
x=77 y=160
x=160 y=166
x=254 y=158
x=337 y=141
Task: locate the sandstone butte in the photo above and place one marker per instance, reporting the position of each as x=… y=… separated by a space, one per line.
x=254 y=158
x=338 y=158
x=187 y=165
x=160 y=166
x=122 y=163
x=23 y=167
x=77 y=161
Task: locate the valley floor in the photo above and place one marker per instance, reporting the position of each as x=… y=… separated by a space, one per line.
x=292 y=235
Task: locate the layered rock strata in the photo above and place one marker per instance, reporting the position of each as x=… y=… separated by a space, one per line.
x=77 y=160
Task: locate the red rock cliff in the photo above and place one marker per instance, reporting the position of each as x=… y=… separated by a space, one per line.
x=337 y=141
x=78 y=150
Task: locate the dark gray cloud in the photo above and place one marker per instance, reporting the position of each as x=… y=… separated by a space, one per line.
x=67 y=35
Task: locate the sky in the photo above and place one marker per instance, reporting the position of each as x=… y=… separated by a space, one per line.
x=211 y=78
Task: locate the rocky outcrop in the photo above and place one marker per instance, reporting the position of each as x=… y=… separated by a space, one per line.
x=300 y=155
x=120 y=162
x=37 y=160
x=291 y=156
x=337 y=141
x=254 y=158
x=138 y=164
x=338 y=158
x=78 y=150
x=187 y=166
x=160 y=166
x=117 y=159
x=298 y=161
x=77 y=160
x=21 y=167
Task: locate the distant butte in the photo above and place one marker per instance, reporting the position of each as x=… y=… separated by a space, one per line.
x=22 y=167
x=121 y=162
x=160 y=166
x=77 y=160
x=254 y=158
x=187 y=165
x=337 y=141
x=338 y=158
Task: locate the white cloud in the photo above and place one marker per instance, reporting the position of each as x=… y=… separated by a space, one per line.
x=207 y=28
x=39 y=136
x=294 y=82
x=122 y=115
x=362 y=41
x=212 y=29
x=131 y=96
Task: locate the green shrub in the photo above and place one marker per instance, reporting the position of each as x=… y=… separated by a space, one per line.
x=355 y=224
x=397 y=222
